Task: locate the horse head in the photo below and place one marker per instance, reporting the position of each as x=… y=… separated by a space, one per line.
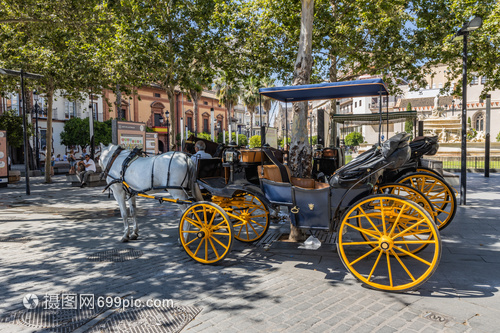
x=106 y=153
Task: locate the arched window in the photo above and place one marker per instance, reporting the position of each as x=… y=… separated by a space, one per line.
x=157 y=113
x=479 y=121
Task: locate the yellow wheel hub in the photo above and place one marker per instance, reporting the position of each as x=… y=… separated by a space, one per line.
x=386 y=243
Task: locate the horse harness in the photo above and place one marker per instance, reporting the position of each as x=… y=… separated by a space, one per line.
x=134 y=155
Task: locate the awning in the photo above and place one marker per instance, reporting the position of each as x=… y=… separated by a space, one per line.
x=374 y=118
x=347 y=89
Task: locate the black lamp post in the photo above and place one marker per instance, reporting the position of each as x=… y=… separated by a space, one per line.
x=168 y=130
x=37 y=149
x=452 y=108
x=91 y=127
x=462 y=34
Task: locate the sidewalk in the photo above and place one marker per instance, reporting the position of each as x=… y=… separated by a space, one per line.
x=281 y=289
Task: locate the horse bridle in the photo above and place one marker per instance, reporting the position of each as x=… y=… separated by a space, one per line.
x=111 y=161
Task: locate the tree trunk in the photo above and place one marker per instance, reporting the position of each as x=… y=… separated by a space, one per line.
x=333 y=72
x=173 y=128
x=118 y=102
x=48 y=138
x=195 y=96
x=300 y=152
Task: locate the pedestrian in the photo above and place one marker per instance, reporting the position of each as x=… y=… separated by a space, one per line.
x=89 y=169
x=72 y=162
x=199 y=147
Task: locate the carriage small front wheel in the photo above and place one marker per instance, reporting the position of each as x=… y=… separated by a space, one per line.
x=206 y=232
x=383 y=257
x=249 y=214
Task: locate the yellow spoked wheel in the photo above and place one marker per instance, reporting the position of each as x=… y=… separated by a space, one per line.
x=421 y=169
x=206 y=233
x=415 y=196
x=249 y=215
x=392 y=228
x=439 y=193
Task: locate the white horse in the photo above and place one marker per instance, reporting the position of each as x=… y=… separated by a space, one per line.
x=146 y=174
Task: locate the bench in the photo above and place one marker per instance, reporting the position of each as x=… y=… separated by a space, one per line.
x=94 y=179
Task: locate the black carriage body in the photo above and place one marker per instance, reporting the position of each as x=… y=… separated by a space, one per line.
x=313 y=208
x=320 y=207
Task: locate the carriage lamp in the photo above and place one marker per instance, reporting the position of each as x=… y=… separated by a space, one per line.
x=231 y=153
x=229 y=156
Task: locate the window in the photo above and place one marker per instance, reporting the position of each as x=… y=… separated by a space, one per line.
x=69 y=109
x=483 y=79
x=360 y=103
x=355 y=104
x=157 y=95
x=157 y=119
x=474 y=80
x=479 y=123
x=15 y=103
x=189 y=98
x=440 y=85
x=190 y=123
x=122 y=114
x=205 y=103
x=205 y=125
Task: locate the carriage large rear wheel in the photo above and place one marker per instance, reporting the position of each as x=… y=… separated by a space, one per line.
x=417 y=197
x=440 y=194
x=384 y=257
x=249 y=214
x=206 y=232
x=421 y=169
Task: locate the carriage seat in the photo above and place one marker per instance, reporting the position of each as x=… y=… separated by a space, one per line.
x=424 y=145
x=209 y=168
x=271 y=172
x=394 y=152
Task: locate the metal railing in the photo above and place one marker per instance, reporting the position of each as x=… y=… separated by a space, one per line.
x=473 y=162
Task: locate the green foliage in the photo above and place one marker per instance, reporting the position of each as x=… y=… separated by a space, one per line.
x=255 y=141
x=103 y=132
x=205 y=136
x=353 y=139
x=13 y=124
x=498 y=137
x=242 y=139
x=280 y=141
x=471 y=133
x=313 y=140
x=76 y=132
x=409 y=127
x=178 y=137
x=408 y=107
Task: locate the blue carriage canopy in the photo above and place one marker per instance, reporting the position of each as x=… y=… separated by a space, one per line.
x=309 y=92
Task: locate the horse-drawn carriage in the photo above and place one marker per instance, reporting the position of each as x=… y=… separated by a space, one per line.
x=386 y=233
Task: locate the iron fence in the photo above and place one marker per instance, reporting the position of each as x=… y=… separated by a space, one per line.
x=473 y=162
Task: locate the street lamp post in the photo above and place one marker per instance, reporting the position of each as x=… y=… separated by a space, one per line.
x=452 y=108
x=462 y=34
x=37 y=149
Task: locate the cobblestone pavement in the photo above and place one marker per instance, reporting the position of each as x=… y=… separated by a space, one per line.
x=254 y=290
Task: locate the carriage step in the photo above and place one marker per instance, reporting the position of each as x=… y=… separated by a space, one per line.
x=274 y=236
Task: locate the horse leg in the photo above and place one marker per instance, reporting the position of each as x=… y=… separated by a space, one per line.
x=120 y=197
x=132 y=214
